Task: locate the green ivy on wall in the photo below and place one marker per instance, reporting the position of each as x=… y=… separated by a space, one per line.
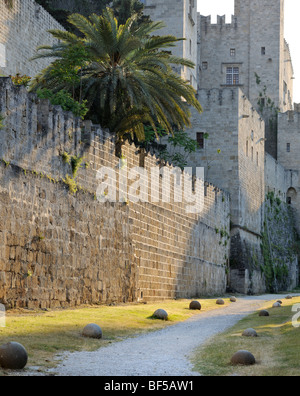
x=278 y=243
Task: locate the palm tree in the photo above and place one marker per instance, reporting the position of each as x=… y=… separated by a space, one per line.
x=126 y=76
x=124 y=9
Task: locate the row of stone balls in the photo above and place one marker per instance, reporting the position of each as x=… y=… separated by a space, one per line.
x=14 y=356
x=94 y=331
x=246 y=358
x=194 y=305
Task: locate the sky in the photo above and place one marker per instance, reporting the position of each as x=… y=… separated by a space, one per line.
x=292 y=28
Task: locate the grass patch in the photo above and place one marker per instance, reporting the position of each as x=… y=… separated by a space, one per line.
x=277 y=348
x=46 y=334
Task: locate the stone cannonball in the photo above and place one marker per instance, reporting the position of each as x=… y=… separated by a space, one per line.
x=13 y=356
x=161 y=314
x=277 y=305
x=220 y=302
x=92 y=331
x=250 y=333
x=264 y=313
x=289 y=297
x=243 y=358
x=233 y=299
x=195 y=305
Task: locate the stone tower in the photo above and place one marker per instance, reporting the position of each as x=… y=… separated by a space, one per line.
x=262 y=22
x=254 y=45
x=180 y=18
x=251 y=53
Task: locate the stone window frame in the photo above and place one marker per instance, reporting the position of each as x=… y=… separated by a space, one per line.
x=232 y=75
x=232 y=83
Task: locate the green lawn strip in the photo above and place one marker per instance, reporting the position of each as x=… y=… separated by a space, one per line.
x=277 y=348
x=46 y=334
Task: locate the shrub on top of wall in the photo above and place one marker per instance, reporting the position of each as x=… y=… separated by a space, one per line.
x=64 y=99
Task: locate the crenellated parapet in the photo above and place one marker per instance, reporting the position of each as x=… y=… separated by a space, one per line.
x=207 y=25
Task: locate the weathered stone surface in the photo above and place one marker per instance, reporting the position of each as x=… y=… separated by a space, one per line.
x=37 y=133
x=92 y=330
x=264 y=313
x=220 y=301
x=289 y=297
x=161 y=314
x=21 y=38
x=195 y=305
x=277 y=305
x=66 y=250
x=250 y=333
x=233 y=299
x=13 y=356
x=244 y=358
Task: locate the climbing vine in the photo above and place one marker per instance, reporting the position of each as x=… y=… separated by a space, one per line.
x=76 y=163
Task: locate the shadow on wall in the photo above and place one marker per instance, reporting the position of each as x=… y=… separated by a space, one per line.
x=266 y=262
x=59 y=249
x=206 y=267
x=97 y=246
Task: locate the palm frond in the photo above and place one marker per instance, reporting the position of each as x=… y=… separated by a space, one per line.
x=127 y=76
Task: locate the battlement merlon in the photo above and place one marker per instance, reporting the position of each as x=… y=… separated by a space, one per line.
x=228 y=97
x=205 y=22
x=289 y=117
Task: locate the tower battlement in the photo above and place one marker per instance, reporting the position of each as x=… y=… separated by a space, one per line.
x=206 y=23
x=292 y=116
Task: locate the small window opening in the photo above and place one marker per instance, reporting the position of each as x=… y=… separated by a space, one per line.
x=200 y=140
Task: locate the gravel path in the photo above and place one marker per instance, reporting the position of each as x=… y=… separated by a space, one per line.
x=161 y=353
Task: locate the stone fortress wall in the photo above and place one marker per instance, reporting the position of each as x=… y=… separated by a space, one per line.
x=180 y=18
x=121 y=252
x=23 y=27
x=234 y=160
x=288 y=156
x=59 y=249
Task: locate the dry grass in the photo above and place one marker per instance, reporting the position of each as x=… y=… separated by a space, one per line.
x=277 y=349
x=46 y=334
